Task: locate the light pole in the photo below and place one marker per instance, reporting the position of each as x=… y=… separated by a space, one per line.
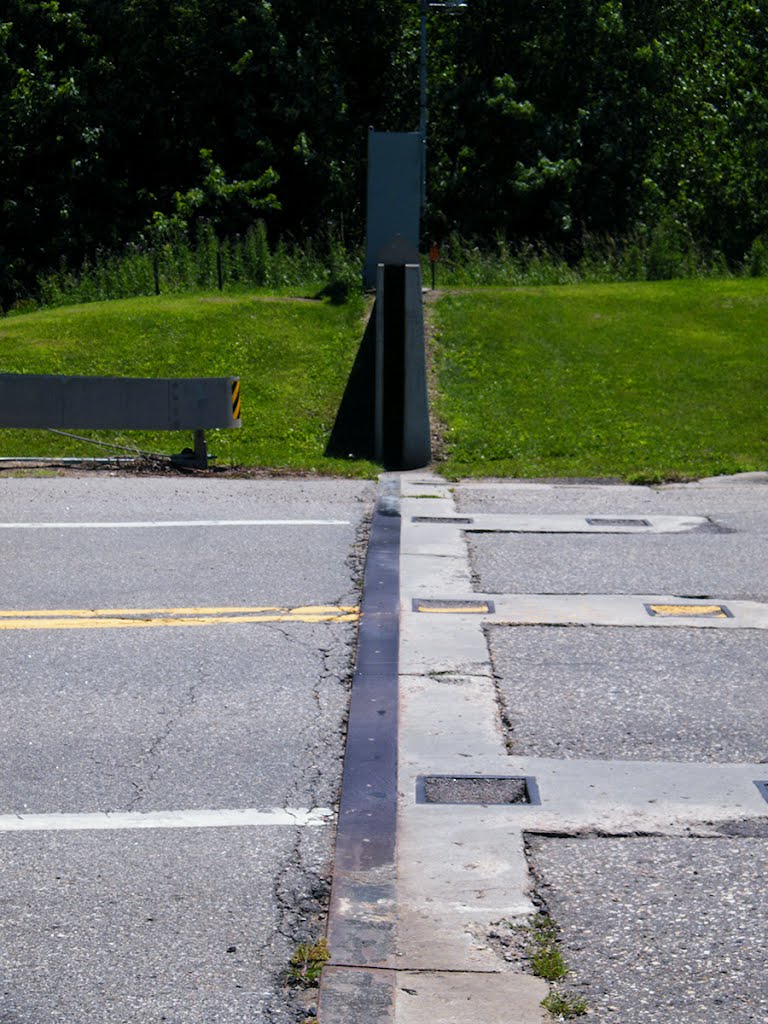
x=424 y=7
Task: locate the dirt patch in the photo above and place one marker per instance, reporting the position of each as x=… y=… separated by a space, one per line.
x=436 y=424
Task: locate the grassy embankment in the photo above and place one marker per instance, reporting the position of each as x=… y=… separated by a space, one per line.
x=293 y=359
x=651 y=381
x=644 y=381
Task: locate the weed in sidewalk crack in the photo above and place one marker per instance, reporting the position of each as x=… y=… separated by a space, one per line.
x=544 y=952
x=537 y=944
x=307 y=963
x=564 y=1007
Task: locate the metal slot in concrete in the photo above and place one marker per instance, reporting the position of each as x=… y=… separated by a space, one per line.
x=453 y=607
x=607 y=521
x=454 y=520
x=763 y=787
x=474 y=789
x=709 y=611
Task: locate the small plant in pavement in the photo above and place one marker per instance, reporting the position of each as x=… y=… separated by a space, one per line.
x=564 y=1007
x=547 y=962
x=307 y=963
x=544 y=952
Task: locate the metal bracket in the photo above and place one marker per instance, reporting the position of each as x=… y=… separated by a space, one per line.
x=194 y=458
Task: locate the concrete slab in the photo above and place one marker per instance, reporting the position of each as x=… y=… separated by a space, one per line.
x=581 y=795
x=622 y=610
x=454 y=644
x=484 y=522
x=470 y=998
x=423 y=575
x=457 y=874
x=449 y=716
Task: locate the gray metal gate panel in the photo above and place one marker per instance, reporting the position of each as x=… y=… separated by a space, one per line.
x=394 y=200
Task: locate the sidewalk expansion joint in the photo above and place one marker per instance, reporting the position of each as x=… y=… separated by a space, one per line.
x=405 y=969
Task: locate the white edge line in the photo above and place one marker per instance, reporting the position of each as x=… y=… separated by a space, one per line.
x=161 y=524
x=121 y=820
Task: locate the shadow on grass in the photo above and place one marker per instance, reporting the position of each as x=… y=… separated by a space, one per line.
x=352 y=433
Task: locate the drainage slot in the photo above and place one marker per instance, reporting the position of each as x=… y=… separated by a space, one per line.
x=707 y=611
x=763 y=787
x=436 y=607
x=602 y=521
x=473 y=789
x=456 y=520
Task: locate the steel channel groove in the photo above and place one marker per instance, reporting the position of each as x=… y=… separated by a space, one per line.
x=361 y=921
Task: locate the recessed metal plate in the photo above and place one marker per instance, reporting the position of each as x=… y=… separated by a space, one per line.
x=437 y=607
x=763 y=787
x=701 y=611
x=455 y=520
x=603 y=521
x=474 y=789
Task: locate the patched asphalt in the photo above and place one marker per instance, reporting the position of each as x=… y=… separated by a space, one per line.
x=660 y=930
x=622 y=693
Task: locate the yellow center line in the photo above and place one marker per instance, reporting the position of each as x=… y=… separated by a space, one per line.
x=91 y=612
x=138 y=618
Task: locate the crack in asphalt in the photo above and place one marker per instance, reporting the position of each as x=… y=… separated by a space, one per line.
x=151 y=755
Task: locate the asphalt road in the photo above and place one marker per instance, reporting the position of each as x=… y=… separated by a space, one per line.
x=175 y=670
x=661 y=930
x=625 y=693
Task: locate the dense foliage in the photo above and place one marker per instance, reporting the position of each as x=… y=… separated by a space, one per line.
x=552 y=120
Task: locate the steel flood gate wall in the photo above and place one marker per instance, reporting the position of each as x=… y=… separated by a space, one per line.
x=118 y=403
x=402 y=437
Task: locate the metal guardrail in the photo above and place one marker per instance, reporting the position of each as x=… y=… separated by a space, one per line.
x=43 y=401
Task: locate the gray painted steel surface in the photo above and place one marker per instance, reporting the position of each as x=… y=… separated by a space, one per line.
x=401 y=421
x=125 y=403
x=394 y=199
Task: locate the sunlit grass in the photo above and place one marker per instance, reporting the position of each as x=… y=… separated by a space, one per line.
x=293 y=358
x=650 y=381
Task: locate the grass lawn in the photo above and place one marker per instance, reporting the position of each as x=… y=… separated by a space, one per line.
x=647 y=382
x=293 y=358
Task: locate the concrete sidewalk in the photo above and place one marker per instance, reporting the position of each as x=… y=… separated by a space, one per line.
x=607 y=644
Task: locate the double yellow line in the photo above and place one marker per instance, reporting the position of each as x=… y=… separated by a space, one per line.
x=143 y=618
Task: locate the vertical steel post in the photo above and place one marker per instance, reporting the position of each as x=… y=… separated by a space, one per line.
x=423 y=8
x=378 y=383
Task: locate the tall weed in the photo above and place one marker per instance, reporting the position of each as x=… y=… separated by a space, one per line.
x=174 y=263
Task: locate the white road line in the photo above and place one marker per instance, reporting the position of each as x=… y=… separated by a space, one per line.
x=163 y=524
x=119 y=820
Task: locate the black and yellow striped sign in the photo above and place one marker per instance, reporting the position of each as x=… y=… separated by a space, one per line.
x=236 y=398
